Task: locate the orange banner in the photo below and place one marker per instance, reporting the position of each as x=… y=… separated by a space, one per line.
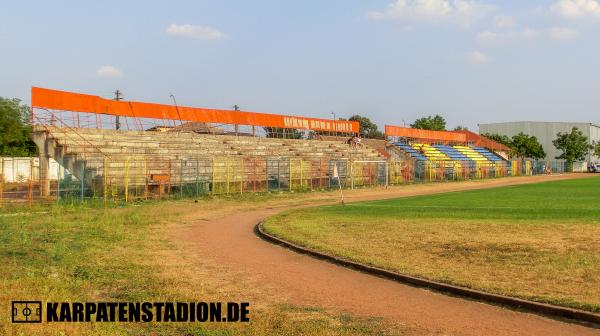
x=424 y=134
x=77 y=102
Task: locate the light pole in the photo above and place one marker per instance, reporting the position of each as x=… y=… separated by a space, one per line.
x=118 y=97
x=237 y=127
x=334 y=126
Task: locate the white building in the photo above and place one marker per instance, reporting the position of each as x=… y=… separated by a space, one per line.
x=545 y=132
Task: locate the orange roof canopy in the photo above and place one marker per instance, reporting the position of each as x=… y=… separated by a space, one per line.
x=77 y=102
x=425 y=134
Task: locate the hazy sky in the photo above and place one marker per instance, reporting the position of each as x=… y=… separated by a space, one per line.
x=392 y=60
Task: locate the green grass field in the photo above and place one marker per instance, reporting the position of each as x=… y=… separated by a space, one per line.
x=538 y=241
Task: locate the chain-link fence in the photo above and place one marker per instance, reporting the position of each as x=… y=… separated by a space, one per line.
x=136 y=178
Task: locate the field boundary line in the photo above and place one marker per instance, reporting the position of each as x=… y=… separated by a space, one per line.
x=576 y=315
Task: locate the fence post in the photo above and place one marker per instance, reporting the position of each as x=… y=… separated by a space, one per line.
x=321 y=173
x=254 y=175
x=301 y=173
x=290 y=173
x=57 y=180
x=267 y=172
x=311 y=175
x=197 y=173
x=387 y=172
x=242 y=179
x=329 y=175
x=454 y=171
x=105 y=180
x=30 y=190
x=351 y=175
x=145 y=178
x=279 y=174
x=169 y=180
x=373 y=176
x=213 y=176
x=227 y=166
x=181 y=178
x=347 y=173
x=82 y=179
x=127 y=180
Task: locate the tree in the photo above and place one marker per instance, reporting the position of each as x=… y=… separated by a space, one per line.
x=503 y=139
x=525 y=146
x=596 y=149
x=436 y=123
x=574 y=146
x=284 y=133
x=15 y=128
x=460 y=128
x=368 y=129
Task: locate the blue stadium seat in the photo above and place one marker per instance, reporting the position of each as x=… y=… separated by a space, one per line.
x=411 y=151
x=449 y=151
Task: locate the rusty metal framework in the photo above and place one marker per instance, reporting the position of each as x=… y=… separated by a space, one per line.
x=133 y=179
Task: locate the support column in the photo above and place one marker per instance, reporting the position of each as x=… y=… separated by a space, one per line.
x=44 y=173
x=40 y=138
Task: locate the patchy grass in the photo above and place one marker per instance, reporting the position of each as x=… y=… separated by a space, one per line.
x=538 y=241
x=87 y=253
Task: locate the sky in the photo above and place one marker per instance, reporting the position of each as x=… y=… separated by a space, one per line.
x=391 y=60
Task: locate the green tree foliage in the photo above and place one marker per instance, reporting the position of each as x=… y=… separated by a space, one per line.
x=368 y=129
x=15 y=129
x=435 y=123
x=503 y=139
x=521 y=145
x=596 y=149
x=574 y=146
x=283 y=133
x=460 y=128
x=526 y=146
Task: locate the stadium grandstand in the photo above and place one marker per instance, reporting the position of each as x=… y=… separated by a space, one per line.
x=446 y=155
x=129 y=150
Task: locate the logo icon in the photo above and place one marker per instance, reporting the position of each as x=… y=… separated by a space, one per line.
x=27 y=311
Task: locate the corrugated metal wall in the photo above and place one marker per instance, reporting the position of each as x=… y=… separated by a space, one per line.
x=545 y=132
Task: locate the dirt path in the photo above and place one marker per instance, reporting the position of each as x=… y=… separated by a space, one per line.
x=296 y=278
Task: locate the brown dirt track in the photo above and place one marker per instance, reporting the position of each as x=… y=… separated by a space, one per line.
x=229 y=239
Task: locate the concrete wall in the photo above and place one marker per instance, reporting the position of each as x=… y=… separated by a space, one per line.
x=20 y=169
x=545 y=132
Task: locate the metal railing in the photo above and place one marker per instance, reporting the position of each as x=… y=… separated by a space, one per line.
x=141 y=178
